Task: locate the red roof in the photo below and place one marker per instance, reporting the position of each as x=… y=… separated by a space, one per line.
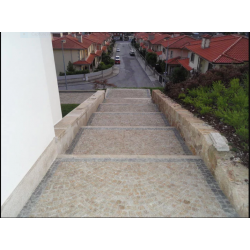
x=150 y=51
x=71 y=43
x=178 y=42
x=81 y=62
x=98 y=52
x=91 y=58
x=158 y=53
x=224 y=49
x=158 y=38
x=183 y=62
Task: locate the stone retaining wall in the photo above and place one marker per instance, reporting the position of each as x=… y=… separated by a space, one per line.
x=67 y=128
x=200 y=139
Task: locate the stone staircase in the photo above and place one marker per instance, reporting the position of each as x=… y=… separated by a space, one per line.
x=128 y=162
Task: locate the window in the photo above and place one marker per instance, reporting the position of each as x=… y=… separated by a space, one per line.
x=192 y=57
x=171 y=54
x=164 y=50
x=210 y=66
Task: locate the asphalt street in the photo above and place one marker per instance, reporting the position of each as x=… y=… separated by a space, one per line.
x=131 y=73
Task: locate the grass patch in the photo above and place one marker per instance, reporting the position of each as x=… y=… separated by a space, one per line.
x=66 y=108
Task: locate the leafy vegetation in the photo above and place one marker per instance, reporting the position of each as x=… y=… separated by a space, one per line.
x=229 y=103
x=103 y=66
x=179 y=74
x=151 y=59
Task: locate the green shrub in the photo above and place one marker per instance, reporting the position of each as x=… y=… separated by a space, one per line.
x=205 y=110
x=179 y=74
x=182 y=95
x=151 y=59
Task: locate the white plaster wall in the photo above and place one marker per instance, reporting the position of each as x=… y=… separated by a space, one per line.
x=51 y=79
x=195 y=63
x=27 y=117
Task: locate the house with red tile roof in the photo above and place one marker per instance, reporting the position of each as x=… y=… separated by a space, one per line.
x=84 y=51
x=218 y=51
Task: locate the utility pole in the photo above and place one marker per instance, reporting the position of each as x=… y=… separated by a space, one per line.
x=64 y=41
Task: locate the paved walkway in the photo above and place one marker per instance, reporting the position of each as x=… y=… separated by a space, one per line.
x=128 y=162
x=74 y=97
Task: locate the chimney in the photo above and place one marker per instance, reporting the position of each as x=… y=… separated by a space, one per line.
x=205 y=42
x=79 y=38
x=151 y=37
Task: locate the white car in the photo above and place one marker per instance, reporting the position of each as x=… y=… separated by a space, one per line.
x=117 y=50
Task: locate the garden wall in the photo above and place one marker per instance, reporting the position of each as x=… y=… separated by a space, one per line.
x=81 y=77
x=208 y=143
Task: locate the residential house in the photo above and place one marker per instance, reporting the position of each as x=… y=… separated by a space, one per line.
x=218 y=51
x=84 y=51
x=175 y=47
x=118 y=35
x=74 y=50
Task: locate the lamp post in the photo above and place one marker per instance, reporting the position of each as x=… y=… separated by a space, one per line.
x=62 y=42
x=166 y=64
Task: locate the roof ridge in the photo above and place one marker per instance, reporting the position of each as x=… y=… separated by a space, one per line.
x=223 y=53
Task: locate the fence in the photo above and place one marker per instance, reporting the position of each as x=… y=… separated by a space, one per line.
x=89 y=76
x=159 y=76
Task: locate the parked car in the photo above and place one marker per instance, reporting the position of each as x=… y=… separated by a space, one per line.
x=117 y=50
x=132 y=53
x=117 y=60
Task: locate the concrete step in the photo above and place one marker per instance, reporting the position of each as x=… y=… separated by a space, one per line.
x=110 y=107
x=155 y=119
x=128 y=141
x=129 y=100
x=127 y=93
x=126 y=186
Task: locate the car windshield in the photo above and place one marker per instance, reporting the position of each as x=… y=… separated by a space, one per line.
x=117 y=57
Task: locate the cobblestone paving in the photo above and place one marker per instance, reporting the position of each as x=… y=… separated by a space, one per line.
x=109 y=107
x=128 y=141
x=127 y=119
x=94 y=188
x=129 y=100
x=74 y=97
x=128 y=164
x=128 y=93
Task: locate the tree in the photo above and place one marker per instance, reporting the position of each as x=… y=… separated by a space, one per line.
x=179 y=75
x=70 y=67
x=106 y=58
x=151 y=59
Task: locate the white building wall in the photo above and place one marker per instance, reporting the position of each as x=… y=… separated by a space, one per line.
x=28 y=94
x=193 y=64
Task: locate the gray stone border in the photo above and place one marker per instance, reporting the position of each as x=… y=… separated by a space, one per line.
x=38 y=191
x=74 y=142
x=219 y=195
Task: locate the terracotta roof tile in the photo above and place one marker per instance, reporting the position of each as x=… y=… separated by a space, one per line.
x=71 y=43
x=80 y=62
x=98 y=52
x=224 y=49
